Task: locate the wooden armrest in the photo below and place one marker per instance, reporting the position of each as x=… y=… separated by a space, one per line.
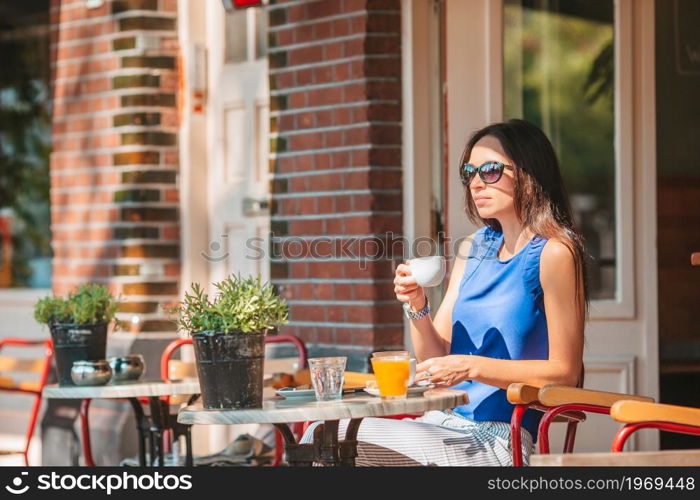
x=632 y=412
x=9 y=384
x=178 y=399
x=555 y=395
x=352 y=379
x=302 y=377
x=695 y=259
x=8 y=364
x=281 y=365
x=181 y=370
x=29 y=386
x=522 y=394
x=357 y=379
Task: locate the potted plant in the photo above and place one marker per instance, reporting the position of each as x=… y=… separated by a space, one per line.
x=78 y=325
x=228 y=335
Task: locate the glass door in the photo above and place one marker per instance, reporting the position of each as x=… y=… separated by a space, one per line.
x=559 y=73
x=25 y=145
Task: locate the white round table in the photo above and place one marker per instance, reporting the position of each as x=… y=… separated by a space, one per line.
x=326 y=448
x=159 y=421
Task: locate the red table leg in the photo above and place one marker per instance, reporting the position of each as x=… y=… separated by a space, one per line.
x=85 y=432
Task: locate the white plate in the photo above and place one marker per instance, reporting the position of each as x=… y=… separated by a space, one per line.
x=298 y=393
x=416 y=389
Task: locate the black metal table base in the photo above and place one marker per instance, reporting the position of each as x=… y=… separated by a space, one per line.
x=326 y=448
x=153 y=429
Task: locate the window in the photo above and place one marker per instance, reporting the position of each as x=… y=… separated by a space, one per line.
x=246 y=34
x=559 y=74
x=25 y=142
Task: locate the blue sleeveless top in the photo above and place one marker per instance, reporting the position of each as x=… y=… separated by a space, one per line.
x=499 y=313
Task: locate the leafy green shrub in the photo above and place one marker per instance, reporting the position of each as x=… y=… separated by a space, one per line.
x=241 y=305
x=89 y=304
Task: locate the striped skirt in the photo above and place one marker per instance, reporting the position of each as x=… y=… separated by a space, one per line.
x=441 y=438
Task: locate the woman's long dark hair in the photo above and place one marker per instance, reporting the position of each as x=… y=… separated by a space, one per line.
x=541 y=202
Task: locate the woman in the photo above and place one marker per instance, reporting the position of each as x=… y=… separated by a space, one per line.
x=491 y=329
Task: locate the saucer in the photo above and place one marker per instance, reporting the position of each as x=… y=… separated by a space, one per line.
x=413 y=390
x=296 y=393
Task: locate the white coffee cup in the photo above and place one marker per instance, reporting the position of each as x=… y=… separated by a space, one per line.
x=428 y=271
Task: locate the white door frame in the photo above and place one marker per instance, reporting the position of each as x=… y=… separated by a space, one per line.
x=194 y=220
x=622 y=336
x=194 y=224
x=418 y=36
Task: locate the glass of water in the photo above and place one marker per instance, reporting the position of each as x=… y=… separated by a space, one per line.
x=327 y=375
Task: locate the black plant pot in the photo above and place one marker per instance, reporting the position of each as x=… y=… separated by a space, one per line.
x=73 y=342
x=230 y=369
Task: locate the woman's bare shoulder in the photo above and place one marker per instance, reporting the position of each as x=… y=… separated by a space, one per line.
x=557 y=250
x=557 y=260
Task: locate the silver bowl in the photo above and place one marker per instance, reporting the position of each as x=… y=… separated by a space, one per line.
x=95 y=372
x=127 y=368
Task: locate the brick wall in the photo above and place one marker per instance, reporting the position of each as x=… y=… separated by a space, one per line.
x=114 y=195
x=335 y=100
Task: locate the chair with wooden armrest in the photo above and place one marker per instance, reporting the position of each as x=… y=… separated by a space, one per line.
x=638 y=415
x=559 y=399
x=41 y=367
x=525 y=397
x=173 y=369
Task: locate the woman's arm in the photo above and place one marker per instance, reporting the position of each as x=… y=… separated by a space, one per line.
x=565 y=334
x=431 y=338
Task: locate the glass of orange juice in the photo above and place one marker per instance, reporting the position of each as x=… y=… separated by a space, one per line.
x=392 y=371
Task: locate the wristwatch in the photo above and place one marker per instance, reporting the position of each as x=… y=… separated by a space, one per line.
x=411 y=314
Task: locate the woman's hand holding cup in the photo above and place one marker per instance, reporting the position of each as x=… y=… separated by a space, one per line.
x=406 y=288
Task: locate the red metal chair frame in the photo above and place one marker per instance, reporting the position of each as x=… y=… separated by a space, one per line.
x=269 y=339
x=599 y=406
x=517 y=420
x=550 y=413
x=43 y=377
x=516 y=427
x=628 y=429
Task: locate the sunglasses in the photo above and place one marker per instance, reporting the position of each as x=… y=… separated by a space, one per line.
x=490 y=172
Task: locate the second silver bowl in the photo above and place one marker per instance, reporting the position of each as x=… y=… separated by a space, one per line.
x=127 y=368
x=95 y=372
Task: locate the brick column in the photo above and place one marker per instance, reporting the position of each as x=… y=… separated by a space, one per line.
x=335 y=89
x=114 y=195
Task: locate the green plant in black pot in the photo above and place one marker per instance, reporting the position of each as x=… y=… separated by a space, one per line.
x=78 y=323
x=228 y=333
